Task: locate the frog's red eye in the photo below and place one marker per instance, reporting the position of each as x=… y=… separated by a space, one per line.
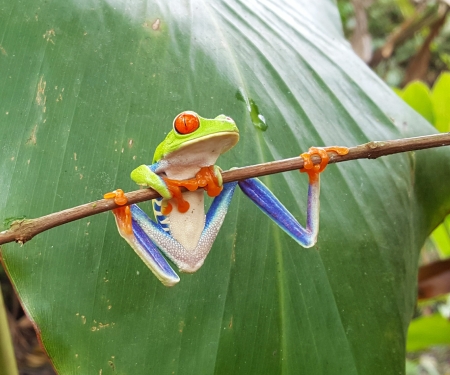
x=186 y=123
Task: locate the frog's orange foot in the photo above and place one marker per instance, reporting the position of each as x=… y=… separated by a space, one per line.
x=118 y=195
x=208 y=178
x=122 y=214
x=313 y=170
x=177 y=196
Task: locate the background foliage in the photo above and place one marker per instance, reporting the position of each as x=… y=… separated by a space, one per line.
x=401 y=40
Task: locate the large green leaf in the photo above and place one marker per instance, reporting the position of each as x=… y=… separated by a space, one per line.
x=89 y=88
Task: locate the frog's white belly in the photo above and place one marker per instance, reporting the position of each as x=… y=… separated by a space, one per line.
x=187 y=227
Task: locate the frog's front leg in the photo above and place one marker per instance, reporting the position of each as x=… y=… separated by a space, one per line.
x=272 y=207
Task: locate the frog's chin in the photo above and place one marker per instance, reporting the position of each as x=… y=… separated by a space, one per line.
x=217 y=144
x=185 y=162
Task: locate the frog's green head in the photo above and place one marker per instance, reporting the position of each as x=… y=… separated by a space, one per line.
x=193 y=134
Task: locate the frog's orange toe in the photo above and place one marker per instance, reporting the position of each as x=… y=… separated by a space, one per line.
x=307 y=162
x=314 y=170
x=212 y=184
x=118 y=195
x=213 y=190
x=166 y=208
x=110 y=195
x=120 y=198
x=122 y=214
x=121 y=201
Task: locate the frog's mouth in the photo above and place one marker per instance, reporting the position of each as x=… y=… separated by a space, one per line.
x=199 y=152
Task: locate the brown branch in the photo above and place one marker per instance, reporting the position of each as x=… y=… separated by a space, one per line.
x=24 y=230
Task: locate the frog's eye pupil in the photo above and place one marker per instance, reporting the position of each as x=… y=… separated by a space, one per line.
x=186 y=123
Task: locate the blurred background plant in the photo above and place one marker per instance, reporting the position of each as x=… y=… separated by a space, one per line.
x=30 y=358
x=401 y=40
x=407 y=43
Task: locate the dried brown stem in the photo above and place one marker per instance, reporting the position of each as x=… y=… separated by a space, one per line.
x=24 y=230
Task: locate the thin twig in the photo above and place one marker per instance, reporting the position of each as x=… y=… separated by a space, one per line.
x=24 y=230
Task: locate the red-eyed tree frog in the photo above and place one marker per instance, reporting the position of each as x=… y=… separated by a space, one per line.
x=184 y=233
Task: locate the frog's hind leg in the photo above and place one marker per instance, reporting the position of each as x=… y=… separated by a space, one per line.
x=151 y=256
x=147 y=237
x=272 y=207
x=218 y=210
x=187 y=261
x=132 y=232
